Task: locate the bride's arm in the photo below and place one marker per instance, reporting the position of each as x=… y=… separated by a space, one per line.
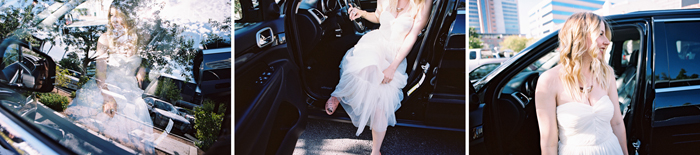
x=618 y=125
x=101 y=61
x=419 y=23
x=545 y=103
x=109 y=105
x=369 y=16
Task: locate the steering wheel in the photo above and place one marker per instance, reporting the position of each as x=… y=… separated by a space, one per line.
x=357 y=23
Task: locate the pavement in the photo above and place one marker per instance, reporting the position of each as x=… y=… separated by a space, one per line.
x=329 y=137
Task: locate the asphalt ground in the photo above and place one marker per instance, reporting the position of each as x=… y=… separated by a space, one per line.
x=330 y=137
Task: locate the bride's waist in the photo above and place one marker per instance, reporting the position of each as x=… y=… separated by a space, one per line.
x=584 y=139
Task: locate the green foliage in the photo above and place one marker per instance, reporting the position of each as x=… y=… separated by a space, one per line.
x=82 y=41
x=208 y=123
x=71 y=61
x=474 y=41
x=14 y=18
x=168 y=90
x=72 y=94
x=82 y=80
x=62 y=79
x=515 y=43
x=54 y=101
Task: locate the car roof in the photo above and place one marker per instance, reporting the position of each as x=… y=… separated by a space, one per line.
x=654 y=13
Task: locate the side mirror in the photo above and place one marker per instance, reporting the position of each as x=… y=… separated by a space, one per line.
x=25 y=68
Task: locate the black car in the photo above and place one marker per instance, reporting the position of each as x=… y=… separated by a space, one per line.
x=287 y=55
x=653 y=55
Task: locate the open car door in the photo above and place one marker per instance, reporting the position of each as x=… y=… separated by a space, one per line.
x=270 y=113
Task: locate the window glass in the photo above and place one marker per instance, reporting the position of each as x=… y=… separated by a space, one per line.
x=472 y=55
x=140 y=42
x=683 y=46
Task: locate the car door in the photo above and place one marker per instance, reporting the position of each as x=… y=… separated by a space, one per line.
x=508 y=113
x=270 y=113
x=446 y=105
x=673 y=112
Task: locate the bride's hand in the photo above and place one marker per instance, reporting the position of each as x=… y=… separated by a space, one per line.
x=388 y=75
x=109 y=106
x=355 y=13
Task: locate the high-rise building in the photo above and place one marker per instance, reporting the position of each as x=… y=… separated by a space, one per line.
x=494 y=16
x=550 y=15
x=643 y=5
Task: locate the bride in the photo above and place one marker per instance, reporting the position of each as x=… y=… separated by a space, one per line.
x=111 y=103
x=373 y=72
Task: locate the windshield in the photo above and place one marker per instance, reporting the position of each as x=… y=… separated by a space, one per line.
x=106 y=53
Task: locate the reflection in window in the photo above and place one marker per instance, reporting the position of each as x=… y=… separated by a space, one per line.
x=683 y=46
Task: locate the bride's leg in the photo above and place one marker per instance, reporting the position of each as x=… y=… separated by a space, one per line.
x=379 y=127
x=377 y=138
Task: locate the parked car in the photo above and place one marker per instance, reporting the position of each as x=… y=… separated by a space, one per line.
x=186 y=113
x=476 y=59
x=287 y=66
x=653 y=58
x=163 y=111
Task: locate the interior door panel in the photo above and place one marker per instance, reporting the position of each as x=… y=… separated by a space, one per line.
x=270 y=112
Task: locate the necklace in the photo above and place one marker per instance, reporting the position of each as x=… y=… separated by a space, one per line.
x=399 y=9
x=586 y=90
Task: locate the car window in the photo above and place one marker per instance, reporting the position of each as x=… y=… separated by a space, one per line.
x=472 y=55
x=482 y=71
x=683 y=46
x=140 y=42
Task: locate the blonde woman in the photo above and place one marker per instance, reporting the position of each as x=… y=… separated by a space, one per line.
x=111 y=103
x=373 y=72
x=576 y=101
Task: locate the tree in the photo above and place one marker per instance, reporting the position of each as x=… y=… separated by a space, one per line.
x=515 y=43
x=168 y=90
x=83 y=41
x=474 y=41
x=71 y=61
x=208 y=123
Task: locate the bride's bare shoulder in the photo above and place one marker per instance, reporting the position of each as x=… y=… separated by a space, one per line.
x=550 y=78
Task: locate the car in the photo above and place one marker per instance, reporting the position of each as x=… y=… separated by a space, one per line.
x=652 y=54
x=27 y=68
x=287 y=55
x=163 y=111
x=186 y=113
x=477 y=59
x=481 y=71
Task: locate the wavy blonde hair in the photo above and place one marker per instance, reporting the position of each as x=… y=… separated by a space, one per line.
x=573 y=37
x=128 y=23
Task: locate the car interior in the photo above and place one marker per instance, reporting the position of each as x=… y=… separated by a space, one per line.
x=326 y=34
x=516 y=102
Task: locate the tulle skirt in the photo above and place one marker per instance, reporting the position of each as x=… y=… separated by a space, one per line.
x=131 y=127
x=366 y=100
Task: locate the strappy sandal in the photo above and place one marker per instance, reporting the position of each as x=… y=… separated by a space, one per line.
x=331 y=105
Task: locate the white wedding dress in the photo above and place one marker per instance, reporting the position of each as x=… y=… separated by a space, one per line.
x=132 y=126
x=586 y=130
x=364 y=98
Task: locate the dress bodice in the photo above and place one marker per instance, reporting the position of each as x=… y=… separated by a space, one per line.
x=120 y=64
x=394 y=28
x=582 y=124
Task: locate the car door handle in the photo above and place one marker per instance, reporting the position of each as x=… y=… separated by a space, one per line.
x=264 y=37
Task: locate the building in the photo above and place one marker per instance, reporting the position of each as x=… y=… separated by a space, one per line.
x=642 y=5
x=550 y=15
x=494 y=16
